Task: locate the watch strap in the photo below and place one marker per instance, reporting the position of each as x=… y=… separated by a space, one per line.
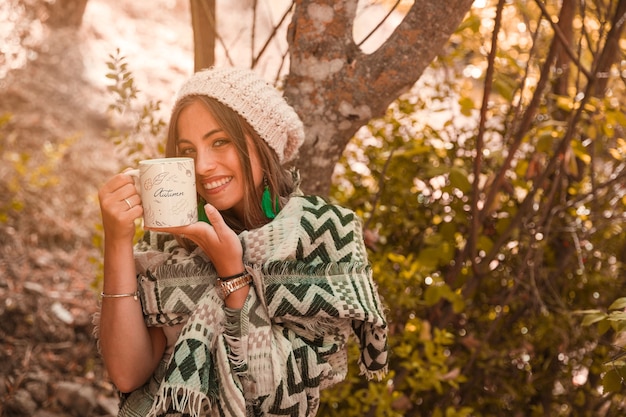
x=232 y=285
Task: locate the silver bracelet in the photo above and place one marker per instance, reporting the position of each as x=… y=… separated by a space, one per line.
x=135 y=295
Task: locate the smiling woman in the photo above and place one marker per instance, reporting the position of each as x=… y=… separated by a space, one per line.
x=248 y=312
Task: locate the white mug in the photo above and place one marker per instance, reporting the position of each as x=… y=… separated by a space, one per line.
x=168 y=191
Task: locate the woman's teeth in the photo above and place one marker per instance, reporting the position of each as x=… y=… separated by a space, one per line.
x=218 y=183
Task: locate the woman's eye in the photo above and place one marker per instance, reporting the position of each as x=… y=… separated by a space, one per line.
x=220 y=142
x=187 y=151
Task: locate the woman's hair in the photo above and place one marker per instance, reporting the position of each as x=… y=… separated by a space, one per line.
x=276 y=177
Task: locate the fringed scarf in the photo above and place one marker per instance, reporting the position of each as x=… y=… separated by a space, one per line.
x=312 y=289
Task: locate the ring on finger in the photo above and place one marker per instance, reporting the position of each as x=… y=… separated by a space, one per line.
x=130 y=206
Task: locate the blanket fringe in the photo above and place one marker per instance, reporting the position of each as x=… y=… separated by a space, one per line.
x=95 y=320
x=379 y=374
x=301 y=269
x=192 y=271
x=181 y=399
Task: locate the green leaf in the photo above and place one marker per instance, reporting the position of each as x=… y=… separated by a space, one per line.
x=612 y=381
x=429 y=257
x=505 y=86
x=467 y=105
x=617 y=316
x=545 y=142
x=565 y=103
x=433 y=294
x=618 y=304
x=591 y=318
x=473 y=23
x=580 y=151
x=604 y=326
x=458 y=179
x=485 y=243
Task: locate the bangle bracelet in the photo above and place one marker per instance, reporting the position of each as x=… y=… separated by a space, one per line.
x=135 y=295
x=239 y=275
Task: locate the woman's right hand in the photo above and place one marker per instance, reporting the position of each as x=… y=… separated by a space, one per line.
x=130 y=350
x=120 y=205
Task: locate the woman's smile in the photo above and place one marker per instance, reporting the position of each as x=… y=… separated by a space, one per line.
x=215 y=186
x=220 y=178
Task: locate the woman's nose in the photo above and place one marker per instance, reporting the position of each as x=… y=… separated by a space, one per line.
x=205 y=162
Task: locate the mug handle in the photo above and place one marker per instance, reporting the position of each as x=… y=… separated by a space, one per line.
x=134 y=172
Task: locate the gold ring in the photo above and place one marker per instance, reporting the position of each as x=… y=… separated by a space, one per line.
x=130 y=206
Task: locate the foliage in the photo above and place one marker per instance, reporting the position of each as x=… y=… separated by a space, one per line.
x=23 y=177
x=139 y=135
x=611 y=320
x=497 y=231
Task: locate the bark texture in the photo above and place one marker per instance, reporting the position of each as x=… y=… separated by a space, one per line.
x=204 y=32
x=66 y=13
x=336 y=88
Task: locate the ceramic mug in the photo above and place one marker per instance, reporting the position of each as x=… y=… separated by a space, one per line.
x=168 y=191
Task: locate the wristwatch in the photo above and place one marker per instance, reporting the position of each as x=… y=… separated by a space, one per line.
x=232 y=285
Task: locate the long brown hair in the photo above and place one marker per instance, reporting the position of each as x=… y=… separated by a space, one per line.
x=276 y=177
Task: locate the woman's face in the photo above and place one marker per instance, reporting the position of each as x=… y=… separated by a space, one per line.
x=219 y=175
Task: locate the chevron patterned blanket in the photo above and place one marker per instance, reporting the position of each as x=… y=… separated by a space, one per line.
x=313 y=290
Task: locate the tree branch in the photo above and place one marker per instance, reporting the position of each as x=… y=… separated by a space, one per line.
x=383 y=20
x=328 y=67
x=255 y=59
x=406 y=49
x=476 y=224
x=563 y=39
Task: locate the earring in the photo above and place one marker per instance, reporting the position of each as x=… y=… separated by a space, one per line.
x=202 y=217
x=270 y=210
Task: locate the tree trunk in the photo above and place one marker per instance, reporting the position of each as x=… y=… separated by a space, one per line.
x=66 y=13
x=204 y=30
x=563 y=60
x=336 y=88
x=612 y=51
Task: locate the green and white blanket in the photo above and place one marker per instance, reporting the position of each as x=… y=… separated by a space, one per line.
x=313 y=288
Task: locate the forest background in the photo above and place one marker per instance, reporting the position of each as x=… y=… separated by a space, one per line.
x=492 y=191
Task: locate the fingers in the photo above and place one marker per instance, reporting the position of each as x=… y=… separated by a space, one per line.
x=218 y=241
x=215 y=219
x=228 y=250
x=118 y=193
x=117 y=182
x=120 y=205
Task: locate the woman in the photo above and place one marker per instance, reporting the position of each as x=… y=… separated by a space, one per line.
x=249 y=311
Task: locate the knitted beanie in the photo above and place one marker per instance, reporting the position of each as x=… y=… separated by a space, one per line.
x=259 y=103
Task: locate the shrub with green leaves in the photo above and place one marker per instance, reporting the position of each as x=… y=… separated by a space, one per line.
x=496 y=229
x=139 y=128
x=22 y=176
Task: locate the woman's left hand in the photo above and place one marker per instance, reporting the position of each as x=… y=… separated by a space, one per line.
x=219 y=242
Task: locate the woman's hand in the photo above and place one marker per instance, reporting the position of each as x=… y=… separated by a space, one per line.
x=120 y=205
x=130 y=350
x=217 y=240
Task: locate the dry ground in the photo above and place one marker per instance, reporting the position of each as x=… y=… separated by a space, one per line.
x=53 y=86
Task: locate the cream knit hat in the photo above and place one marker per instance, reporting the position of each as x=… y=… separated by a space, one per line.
x=260 y=104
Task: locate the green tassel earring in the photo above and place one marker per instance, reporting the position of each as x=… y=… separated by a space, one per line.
x=201 y=213
x=270 y=210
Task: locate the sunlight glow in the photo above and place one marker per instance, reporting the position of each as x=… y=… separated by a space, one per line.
x=580 y=376
x=472 y=71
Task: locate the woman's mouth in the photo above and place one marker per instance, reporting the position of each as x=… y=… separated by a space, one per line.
x=213 y=185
